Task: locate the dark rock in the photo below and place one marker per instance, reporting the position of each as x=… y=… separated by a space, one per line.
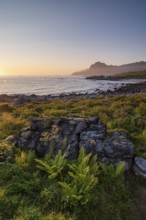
x=19 y=100
x=105 y=160
x=26 y=134
x=93 y=120
x=85 y=135
x=42 y=149
x=71 y=151
x=5 y=98
x=139 y=167
x=91 y=137
x=109 y=150
x=116 y=148
x=26 y=129
x=80 y=127
x=71 y=134
x=46 y=124
x=30 y=141
x=99 y=148
x=36 y=125
x=11 y=139
x=57 y=121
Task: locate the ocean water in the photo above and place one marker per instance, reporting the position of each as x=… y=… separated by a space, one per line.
x=55 y=85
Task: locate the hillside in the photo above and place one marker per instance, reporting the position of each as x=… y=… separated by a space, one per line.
x=121 y=76
x=107 y=70
x=133 y=75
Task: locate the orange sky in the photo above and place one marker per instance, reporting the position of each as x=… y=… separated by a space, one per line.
x=27 y=70
x=62 y=37
x=36 y=66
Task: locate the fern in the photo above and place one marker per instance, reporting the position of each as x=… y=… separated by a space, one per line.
x=26 y=158
x=49 y=156
x=120 y=168
x=83 y=178
x=52 y=167
x=111 y=171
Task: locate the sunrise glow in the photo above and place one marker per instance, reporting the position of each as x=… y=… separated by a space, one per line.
x=46 y=37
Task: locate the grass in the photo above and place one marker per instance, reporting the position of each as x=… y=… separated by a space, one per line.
x=132 y=75
x=127 y=113
x=79 y=191
x=27 y=192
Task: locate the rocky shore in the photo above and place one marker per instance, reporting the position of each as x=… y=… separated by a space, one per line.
x=125 y=89
x=113 y=78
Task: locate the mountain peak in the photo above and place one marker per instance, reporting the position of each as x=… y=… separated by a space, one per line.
x=98 y=65
x=100 y=68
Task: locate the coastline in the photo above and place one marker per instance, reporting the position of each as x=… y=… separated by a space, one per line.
x=126 y=89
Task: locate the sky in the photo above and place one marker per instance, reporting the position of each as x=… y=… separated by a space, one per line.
x=51 y=37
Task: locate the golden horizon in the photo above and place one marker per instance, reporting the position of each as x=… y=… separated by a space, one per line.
x=34 y=72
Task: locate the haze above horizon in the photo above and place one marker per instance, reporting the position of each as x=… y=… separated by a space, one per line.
x=61 y=37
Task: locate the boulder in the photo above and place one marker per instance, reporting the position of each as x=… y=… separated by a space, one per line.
x=115 y=148
x=80 y=127
x=69 y=134
x=26 y=134
x=139 y=167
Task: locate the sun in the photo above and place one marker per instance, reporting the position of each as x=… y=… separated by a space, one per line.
x=1 y=73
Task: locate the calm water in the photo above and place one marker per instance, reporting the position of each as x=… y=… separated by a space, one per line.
x=54 y=85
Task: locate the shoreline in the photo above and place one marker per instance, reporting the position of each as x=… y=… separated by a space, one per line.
x=127 y=89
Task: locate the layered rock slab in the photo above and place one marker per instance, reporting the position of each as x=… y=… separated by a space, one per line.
x=139 y=167
x=72 y=133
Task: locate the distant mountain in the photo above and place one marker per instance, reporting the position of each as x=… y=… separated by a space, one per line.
x=99 y=68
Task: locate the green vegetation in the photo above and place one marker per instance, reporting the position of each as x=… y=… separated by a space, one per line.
x=132 y=75
x=31 y=189
x=127 y=113
x=53 y=188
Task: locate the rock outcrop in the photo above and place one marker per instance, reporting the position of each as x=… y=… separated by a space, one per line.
x=71 y=134
x=139 y=167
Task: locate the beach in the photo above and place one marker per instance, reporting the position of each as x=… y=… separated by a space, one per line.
x=125 y=89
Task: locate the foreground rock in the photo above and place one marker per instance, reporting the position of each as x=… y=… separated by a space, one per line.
x=116 y=148
x=139 y=167
x=71 y=134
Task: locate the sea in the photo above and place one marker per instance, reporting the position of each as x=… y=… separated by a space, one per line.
x=56 y=85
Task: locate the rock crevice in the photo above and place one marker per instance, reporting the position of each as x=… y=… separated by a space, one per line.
x=70 y=134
